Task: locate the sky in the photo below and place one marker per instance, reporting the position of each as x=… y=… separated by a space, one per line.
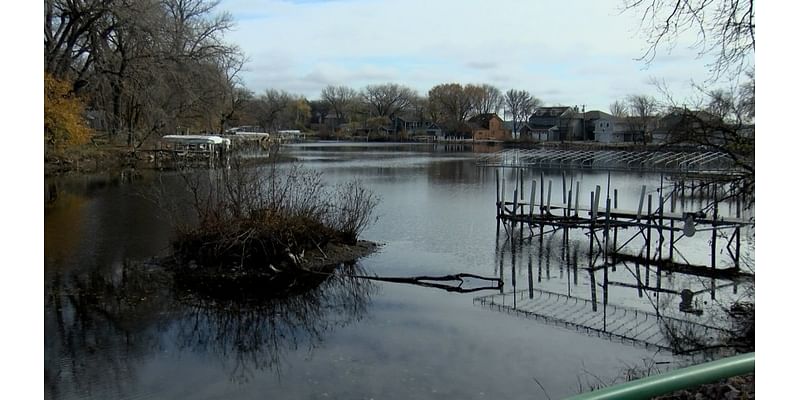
x=567 y=52
x=290 y=43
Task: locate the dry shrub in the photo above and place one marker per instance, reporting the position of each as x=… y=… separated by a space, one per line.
x=355 y=205
x=251 y=218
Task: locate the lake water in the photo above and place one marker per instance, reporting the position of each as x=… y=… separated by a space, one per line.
x=115 y=328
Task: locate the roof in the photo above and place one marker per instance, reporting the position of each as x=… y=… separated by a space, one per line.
x=681 y=113
x=596 y=114
x=195 y=139
x=550 y=111
x=482 y=120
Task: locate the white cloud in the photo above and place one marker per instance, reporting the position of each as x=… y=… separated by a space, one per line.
x=571 y=51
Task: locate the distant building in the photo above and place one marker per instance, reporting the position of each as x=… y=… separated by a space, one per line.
x=555 y=124
x=416 y=128
x=609 y=129
x=678 y=122
x=488 y=127
x=587 y=123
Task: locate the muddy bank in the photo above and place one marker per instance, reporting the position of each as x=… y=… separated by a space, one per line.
x=285 y=280
x=336 y=253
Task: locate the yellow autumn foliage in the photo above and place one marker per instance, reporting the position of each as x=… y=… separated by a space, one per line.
x=63 y=114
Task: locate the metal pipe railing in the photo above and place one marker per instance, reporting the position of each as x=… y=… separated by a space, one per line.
x=672 y=381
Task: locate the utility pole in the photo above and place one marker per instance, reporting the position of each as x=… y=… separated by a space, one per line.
x=583 y=121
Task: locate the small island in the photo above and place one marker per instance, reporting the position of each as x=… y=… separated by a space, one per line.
x=267 y=229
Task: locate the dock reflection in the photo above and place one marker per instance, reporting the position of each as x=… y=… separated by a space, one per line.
x=555 y=279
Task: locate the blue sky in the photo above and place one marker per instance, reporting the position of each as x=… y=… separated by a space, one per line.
x=567 y=52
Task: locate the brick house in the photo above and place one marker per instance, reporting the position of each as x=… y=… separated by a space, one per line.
x=488 y=127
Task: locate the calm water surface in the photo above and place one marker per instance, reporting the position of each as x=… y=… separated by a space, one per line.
x=115 y=327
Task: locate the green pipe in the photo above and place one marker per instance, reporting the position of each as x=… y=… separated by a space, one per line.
x=675 y=380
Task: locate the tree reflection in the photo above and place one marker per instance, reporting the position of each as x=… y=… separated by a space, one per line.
x=253 y=331
x=103 y=326
x=97 y=324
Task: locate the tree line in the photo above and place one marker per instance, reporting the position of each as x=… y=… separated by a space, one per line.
x=145 y=68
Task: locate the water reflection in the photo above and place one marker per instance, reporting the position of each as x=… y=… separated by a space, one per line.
x=254 y=331
x=104 y=325
x=109 y=339
x=680 y=311
x=100 y=325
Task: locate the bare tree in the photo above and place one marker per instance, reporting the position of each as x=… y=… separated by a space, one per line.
x=233 y=94
x=747 y=97
x=340 y=100
x=725 y=28
x=387 y=100
x=643 y=111
x=150 y=66
x=520 y=105
x=485 y=98
x=451 y=100
x=419 y=108
x=70 y=28
x=723 y=122
x=319 y=110
x=452 y=105
x=618 y=109
x=272 y=105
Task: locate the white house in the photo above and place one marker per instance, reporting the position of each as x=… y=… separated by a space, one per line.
x=610 y=129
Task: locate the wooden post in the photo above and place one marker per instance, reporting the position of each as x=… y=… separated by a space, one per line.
x=503 y=196
x=738 y=233
x=592 y=285
x=660 y=220
x=614 y=250
x=541 y=192
x=530 y=267
x=596 y=203
x=533 y=197
x=591 y=229
x=569 y=203
x=549 y=193
x=648 y=239
x=641 y=203
x=714 y=237
x=672 y=225
x=605 y=232
x=683 y=195
x=514 y=213
x=577 y=197
x=639 y=280
x=497 y=191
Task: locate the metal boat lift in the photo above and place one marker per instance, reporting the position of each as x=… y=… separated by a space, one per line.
x=666 y=161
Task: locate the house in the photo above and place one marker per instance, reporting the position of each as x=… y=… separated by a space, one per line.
x=588 y=123
x=672 y=125
x=539 y=134
x=555 y=124
x=488 y=127
x=416 y=128
x=609 y=129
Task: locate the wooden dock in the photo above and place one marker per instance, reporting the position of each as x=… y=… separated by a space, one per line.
x=655 y=221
